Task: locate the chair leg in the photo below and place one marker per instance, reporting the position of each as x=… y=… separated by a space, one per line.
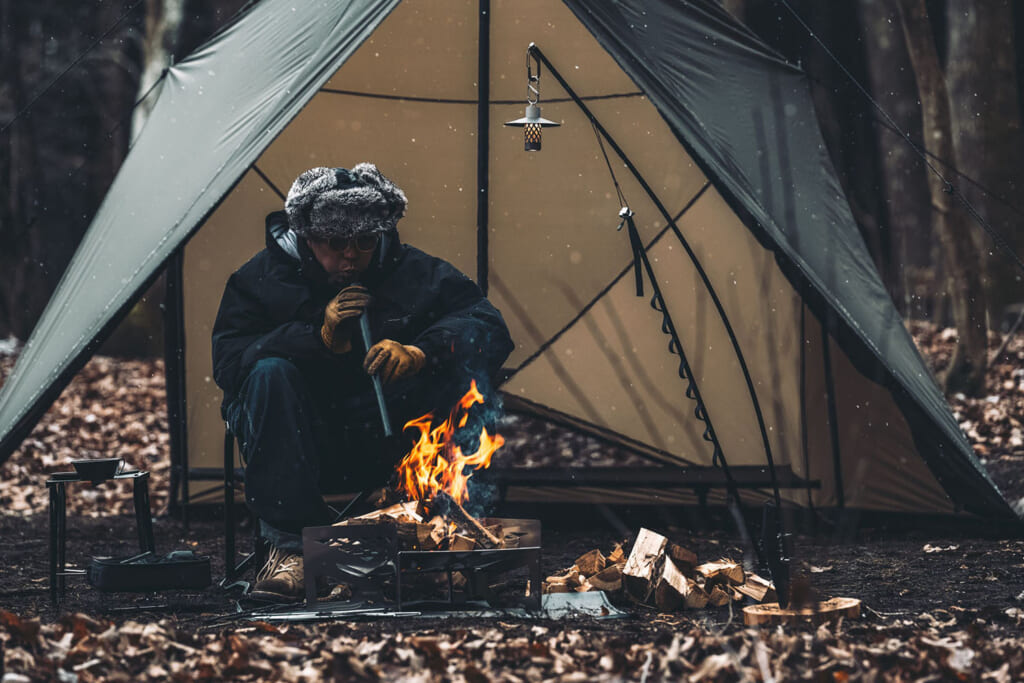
x=229 y=505
x=233 y=567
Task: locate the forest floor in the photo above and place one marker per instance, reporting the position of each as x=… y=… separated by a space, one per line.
x=937 y=606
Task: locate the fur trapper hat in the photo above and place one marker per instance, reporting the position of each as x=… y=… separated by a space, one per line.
x=338 y=202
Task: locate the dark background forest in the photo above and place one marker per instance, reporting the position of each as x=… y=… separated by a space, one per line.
x=928 y=153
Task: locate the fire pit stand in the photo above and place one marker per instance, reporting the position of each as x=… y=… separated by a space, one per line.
x=369 y=560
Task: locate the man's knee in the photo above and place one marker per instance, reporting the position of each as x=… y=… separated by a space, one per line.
x=273 y=371
x=271 y=381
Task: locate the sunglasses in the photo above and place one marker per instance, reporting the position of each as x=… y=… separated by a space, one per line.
x=364 y=242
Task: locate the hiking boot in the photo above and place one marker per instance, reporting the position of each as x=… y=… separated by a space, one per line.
x=281 y=579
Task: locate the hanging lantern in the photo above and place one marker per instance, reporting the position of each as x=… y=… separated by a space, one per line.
x=532 y=123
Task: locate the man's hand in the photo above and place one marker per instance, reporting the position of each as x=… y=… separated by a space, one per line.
x=393 y=360
x=341 y=315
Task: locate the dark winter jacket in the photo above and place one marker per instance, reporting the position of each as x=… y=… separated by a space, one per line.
x=273 y=306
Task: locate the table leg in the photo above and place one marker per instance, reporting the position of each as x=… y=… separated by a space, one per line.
x=53 y=544
x=536 y=582
x=143 y=517
x=62 y=538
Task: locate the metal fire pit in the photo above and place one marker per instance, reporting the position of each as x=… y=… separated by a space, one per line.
x=368 y=559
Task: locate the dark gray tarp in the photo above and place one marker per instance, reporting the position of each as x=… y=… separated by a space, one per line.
x=749 y=121
x=743 y=114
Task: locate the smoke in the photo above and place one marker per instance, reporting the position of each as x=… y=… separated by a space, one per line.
x=483 y=493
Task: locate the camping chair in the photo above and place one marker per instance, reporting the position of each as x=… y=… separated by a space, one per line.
x=234 y=567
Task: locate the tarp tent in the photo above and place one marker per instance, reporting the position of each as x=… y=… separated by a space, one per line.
x=721 y=129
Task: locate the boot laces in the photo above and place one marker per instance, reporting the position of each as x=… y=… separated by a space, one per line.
x=279 y=562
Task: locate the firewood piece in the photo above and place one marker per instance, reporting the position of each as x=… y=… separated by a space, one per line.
x=457 y=513
x=696 y=597
x=555 y=588
x=460 y=542
x=718 y=597
x=391 y=513
x=496 y=530
x=591 y=562
x=644 y=564
x=685 y=560
x=571 y=577
x=415 y=536
x=584 y=587
x=727 y=569
x=671 y=590
x=758 y=589
x=816 y=613
x=617 y=555
x=438 y=530
x=608 y=579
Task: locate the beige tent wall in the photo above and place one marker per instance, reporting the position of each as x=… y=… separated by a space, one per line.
x=554 y=251
x=878 y=454
x=227 y=240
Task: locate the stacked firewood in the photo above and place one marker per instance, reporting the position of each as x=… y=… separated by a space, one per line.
x=592 y=571
x=663 y=574
x=438 y=524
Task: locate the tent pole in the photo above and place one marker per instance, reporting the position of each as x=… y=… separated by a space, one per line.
x=693 y=258
x=174 y=373
x=833 y=418
x=483 y=128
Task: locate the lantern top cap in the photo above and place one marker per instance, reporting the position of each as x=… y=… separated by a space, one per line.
x=532 y=117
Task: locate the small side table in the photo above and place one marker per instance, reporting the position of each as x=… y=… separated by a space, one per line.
x=57 y=486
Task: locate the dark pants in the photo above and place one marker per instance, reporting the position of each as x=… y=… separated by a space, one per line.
x=300 y=440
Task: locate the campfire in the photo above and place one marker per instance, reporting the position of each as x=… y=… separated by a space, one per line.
x=429 y=535
x=436 y=464
x=434 y=479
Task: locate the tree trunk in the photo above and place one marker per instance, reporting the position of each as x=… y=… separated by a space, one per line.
x=163 y=31
x=845 y=117
x=904 y=185
x=982 y=77
x=966 y=370
x=22 y=252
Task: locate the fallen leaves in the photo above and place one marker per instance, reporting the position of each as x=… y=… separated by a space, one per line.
x=939 y=645
x=112 y=408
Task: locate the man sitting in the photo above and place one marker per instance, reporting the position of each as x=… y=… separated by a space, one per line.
x=296 y=377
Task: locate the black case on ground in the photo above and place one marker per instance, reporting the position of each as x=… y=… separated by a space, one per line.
x=150 y=572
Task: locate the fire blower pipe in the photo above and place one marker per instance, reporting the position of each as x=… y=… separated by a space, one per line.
x=378 y=387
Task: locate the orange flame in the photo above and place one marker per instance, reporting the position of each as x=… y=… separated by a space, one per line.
x=435 y=463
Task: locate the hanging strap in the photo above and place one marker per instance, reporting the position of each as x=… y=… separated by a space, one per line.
x=626 y=214
x=637 y=246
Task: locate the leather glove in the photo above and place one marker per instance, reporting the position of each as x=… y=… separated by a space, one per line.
x=341 y=316
x=393 y=360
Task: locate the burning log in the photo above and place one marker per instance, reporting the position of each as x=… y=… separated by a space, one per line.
x=457 y=513
x=460 y=542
